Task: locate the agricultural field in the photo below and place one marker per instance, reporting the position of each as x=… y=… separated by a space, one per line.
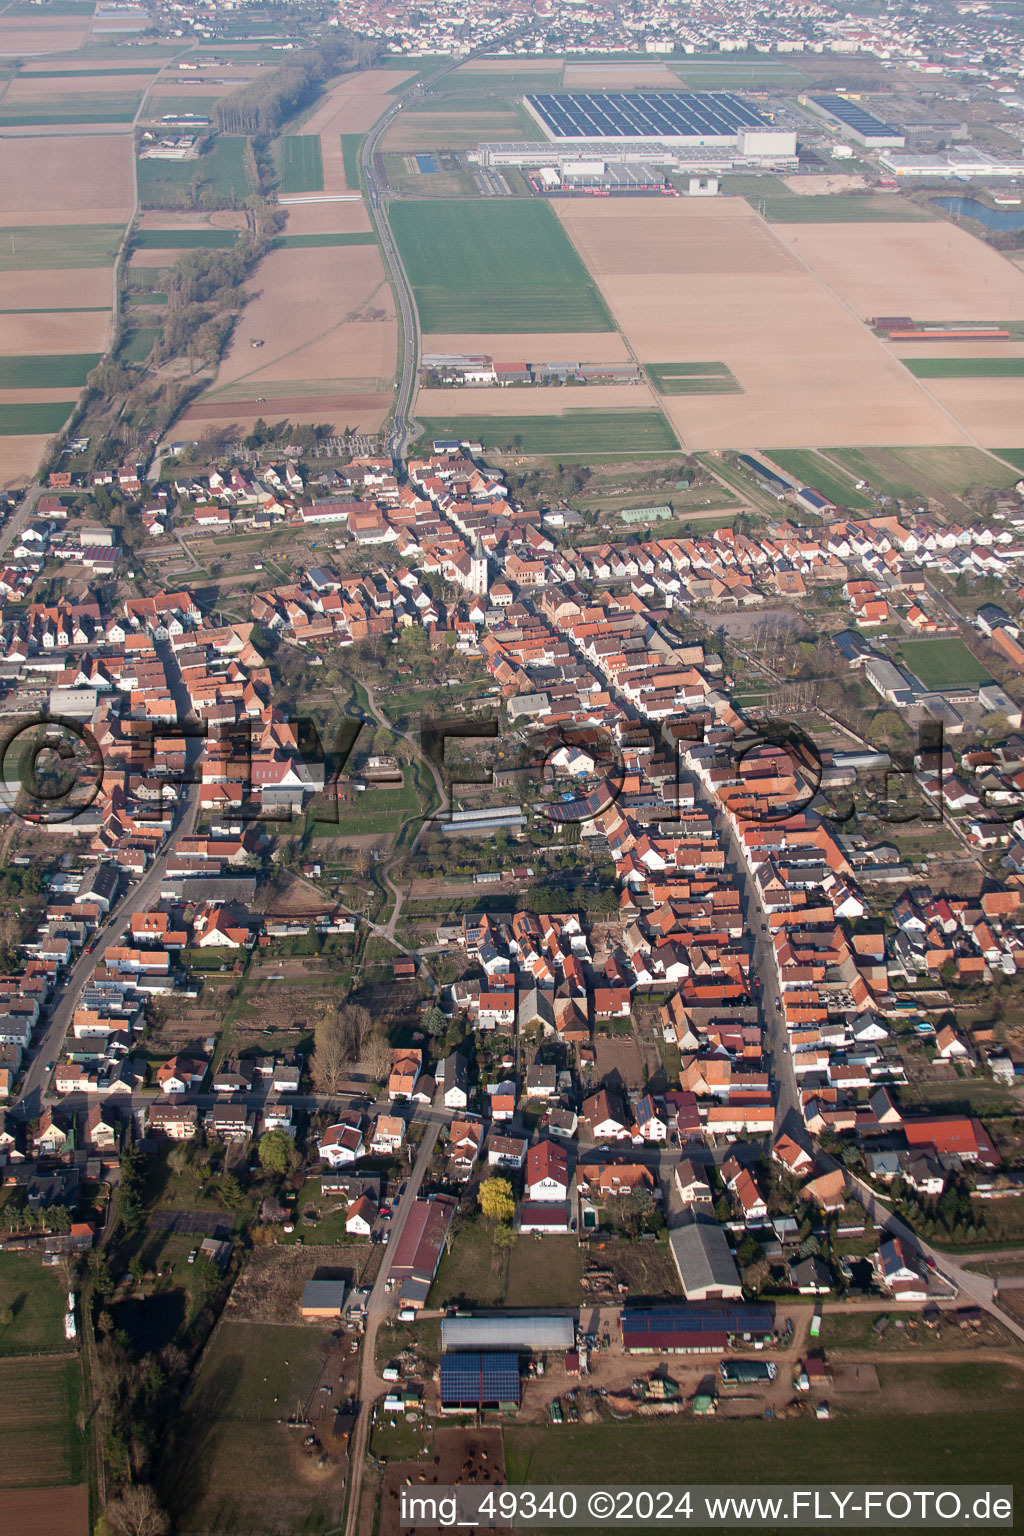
x=321 y=241
x=46 y=1511
x=89 y=181
x=497 y=266
x=934 y=472
x=624 y=433
x=965 y=367
x=706 y=278
x=184 y=239
x=1014 y=456
x=34 y=418
x=943 y=663
x=57 y=248
x=302 y=168
x=36 y=1297
x=172 y=183
x=44 y=1444
x=53 y=372
x=692 y=378
x=809 y=468
x=868 y=209
x=351 y=144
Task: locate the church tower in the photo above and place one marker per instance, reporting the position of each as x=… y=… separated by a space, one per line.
x=479 y=576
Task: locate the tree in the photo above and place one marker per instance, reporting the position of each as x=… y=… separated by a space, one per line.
x=277 y=1152
x=496 y=1200
x=434 y=1021
x=637 y=1207
x=6 y=1317
x=377 y=1055
x=329 y=1055
x=503 y=1237
x=137 y=1513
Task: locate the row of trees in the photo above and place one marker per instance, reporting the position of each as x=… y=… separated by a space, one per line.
x=261 y=107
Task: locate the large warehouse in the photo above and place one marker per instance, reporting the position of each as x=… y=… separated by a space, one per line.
x=657 y=120
x=861 y=126
x=535 y=1334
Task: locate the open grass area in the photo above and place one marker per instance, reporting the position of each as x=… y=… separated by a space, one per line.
x=965 y=367
x=53 y=372
x=110 y=107
x=1014 y=456
x=493 y=266
x=351 y=144
x=943 y=663
x=329 y=237
x=54 y=246
x=692 y=379
x=36 y=1297
x=184 y=239
x=621 y=432
x=34 y=419
x=138 y=344
x=797 y=209
x=175 y=183
x=809 y=468
x=908 y=472
x=537 y=1272
x=302 y=167
x=43 y=1444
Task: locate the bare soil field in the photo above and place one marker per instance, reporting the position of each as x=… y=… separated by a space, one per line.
x=356 y=102
x=41 y=335
x=461 y=1456
x=48 y=288
x=587 y=77
x=499 y=66
x=992 y=410
x=313 y=312
x=361 y=412
x=89 y=180
x=269 y=1288
x=550 y=401
x=46 y=1511
x=620 y=1062
x=38 y=396
x=534 y=347
x=828 y=184
x=28 y=90
x=19 y=460
x=327 y=218
x=61 y=33
x=451 y=130
x=810 y=371
x=930 y=271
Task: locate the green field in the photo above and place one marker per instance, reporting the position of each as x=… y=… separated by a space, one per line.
x=43 y=1444
x=809 y=468
x=175 y=183
x=332 y=237
x=138 y=343
x=625 y=432
x=184 y=239
x=108 y=107
x=965 y=367
x=58 y=371
x=943 y=663
x=1014 y=456
x=796 y=209
x=58 y=246
x=36 y=419
x=493 y=266
x=36 y=1297
x=302 y=168
x=909 y=472
x=692 y=379
x=350 y=147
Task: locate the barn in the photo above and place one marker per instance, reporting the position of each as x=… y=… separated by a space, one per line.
x=471 y=1382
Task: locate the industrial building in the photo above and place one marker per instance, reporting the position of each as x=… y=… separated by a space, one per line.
x=473 y=1382
x=762 y=150
x=961 y=163
x=657 y=118
x=531 y=1335
x=682 y=1329
x=861 y=126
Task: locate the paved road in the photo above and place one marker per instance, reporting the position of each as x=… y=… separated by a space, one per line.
x=378 y=1307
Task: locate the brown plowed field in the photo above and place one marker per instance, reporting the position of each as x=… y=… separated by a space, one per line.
x=327 y=218
x=356 y=102
x=538 y=401
x=617 y=77
x=90 y=180
x=19 y=460
x=45 y=1511
x=41 y=335
x=49 y=288
x=729 y=289
x=450 y=130
x=534 y=347
x=363 y=413
x=991 y=409
x=59 y=35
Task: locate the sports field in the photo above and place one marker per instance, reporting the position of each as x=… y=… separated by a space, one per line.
x=302 y=169
x=943 y=663
x=619 y=432
x=809 y=468
x=692 y=378
x=494 y=267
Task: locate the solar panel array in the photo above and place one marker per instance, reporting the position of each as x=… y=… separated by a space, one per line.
x=687 y=1319
x=855 y=117
x=479 y=1378
x=645 y=114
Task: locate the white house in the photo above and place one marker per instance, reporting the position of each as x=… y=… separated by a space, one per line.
x=547 y=1172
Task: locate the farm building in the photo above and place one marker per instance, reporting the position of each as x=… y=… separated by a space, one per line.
x=533 y=1334
x=706 y=1268
x=476 y=1381
x=683 y=1329
x=323 y=1298
x=420 y=1247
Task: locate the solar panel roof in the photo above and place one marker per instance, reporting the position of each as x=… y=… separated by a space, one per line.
x=480 y=1378
x=687 y=1319
x=645 y=114
x=854 y=116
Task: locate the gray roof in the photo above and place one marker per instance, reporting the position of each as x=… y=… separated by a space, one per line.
x=702 y=1256
x=534 y=1333
x=324 y=1293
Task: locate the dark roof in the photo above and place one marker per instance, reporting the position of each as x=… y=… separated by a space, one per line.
x=478 y=1379
x=685 y=1320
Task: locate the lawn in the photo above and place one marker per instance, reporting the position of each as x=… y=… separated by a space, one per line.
x=537 y=1272
x=350 y=146
x=579 y=431
x=36 y=1297
x=797 y=209
x=43 y=1445
x=57 y=371
x=965 y=367
x=184 y=239
x=138 y=344
x=53 y=246
x=36 y=419
x=692 y=379
x=809 y=468
x=544 y=1272
x=943 y=663
x=174 y=183
x=494 y=266
x=302 y=168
